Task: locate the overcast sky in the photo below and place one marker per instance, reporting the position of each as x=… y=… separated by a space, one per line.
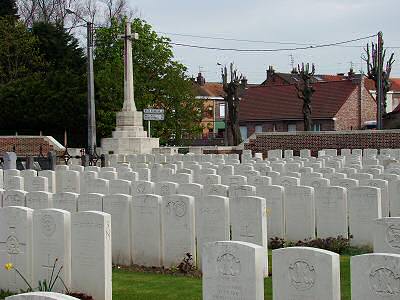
x=297 y=21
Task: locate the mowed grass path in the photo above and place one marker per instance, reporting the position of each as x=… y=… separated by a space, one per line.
x=148 y=286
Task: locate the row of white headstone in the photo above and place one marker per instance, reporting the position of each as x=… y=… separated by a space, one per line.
x=33 y=241
x=233 y=270
x=151 y=230
x=294 y=212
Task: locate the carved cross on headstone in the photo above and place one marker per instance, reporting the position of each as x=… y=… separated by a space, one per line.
x=11 y=248
x=129 y=97
x=49 y=268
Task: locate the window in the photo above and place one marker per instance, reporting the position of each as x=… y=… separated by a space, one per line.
x=222 y=110
x=316 y=127
x=395 y=102
x=291 y=127
x=243 y=132
x=259 y=128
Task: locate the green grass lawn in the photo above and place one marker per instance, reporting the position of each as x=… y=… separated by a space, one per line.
x=147 y=286
x=129 y=285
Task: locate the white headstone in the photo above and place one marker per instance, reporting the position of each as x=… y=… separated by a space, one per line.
x=216 y=190
x=87 y=176
x=165 y=188
x=66 y=201
x=383 y=186
x=305 y=273
x=41 y=296
x=39 y=200
x=68 y=181
x=91 y=201
x=109 y=175
x=375 y=276
x=14 y=198
x=386 y=235
x=36 y=184
x=91 y=253
x=248 y=217
x=232 y=180
x=233 y=270
x=331 y=212
x=212 y=221
x=99 y=185
x=178 y=233
x=146 y=230
x=364 y=205
x=51 y=179
x=119 y=206
x=14 y=183
x=16 y=247
x=142 y=187
x=52 y=247
x=287 y=181
x=275 y=209
x=300 y=213
x=143 y=173
x=119 y=186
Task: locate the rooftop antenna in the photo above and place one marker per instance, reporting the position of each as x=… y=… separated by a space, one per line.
x=291 y=61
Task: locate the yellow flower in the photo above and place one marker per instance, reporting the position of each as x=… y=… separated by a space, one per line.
x=8 y=266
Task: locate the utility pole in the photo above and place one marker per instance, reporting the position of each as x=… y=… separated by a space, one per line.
x=91 y=103
x=379 y=92
x=91 y=109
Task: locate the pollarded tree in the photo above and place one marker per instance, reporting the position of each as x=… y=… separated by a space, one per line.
x=305 y=91
x=372 y=61
x=234 y=88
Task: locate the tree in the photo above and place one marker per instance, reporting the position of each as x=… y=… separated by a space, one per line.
x=19 y=51
x=372 y=60
x=51 y=98
x=159 y=81
x=55 y=11
x=305 y=92
x=9 y=8
x=233 y=89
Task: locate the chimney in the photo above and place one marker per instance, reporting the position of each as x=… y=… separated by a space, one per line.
x=200 y=79
x=270 y=73
x=351 y=73
x=243 y=82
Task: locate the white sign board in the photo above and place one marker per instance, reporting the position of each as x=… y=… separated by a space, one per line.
x=153 y=117
x=153 y=111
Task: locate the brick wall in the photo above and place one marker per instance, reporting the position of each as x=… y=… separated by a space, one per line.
x=27 y=145
x=349 y=115
x=315 y=141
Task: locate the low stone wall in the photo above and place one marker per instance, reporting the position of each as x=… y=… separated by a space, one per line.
x=315 y=141
x=29 y=145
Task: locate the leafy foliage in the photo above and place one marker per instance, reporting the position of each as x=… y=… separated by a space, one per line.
x=160 y=82
x=45 y=89
x=19 y=52
x=338 y=245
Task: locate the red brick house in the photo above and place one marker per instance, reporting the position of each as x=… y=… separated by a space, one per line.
x=343 y=104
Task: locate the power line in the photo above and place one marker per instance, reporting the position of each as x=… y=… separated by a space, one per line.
x=233 y=39
x=274 y=50
x=253 y=41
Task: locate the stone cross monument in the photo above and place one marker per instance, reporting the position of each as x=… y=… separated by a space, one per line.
x=129 y=95
x=129 y=135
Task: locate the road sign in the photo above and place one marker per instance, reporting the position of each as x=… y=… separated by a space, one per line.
x=153 y=117
x=153 y=111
